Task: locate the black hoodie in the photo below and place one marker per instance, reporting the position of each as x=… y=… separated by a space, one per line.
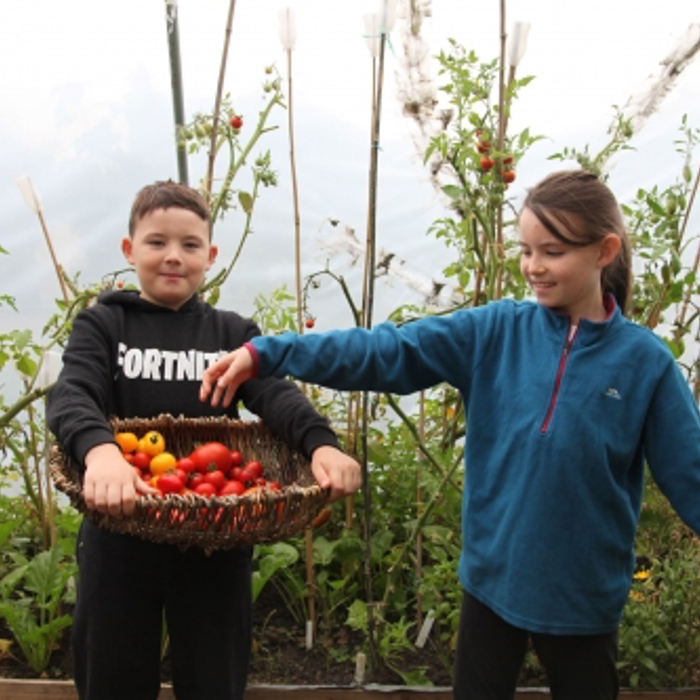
x=129 y=358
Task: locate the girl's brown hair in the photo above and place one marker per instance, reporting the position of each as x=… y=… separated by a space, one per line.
x=163 y=195
x=579 y=203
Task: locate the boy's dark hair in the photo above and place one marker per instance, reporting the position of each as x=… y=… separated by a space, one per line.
x=165 y=194
x=582 y=205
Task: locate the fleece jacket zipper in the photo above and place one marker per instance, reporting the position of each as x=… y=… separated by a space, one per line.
x=563 y=359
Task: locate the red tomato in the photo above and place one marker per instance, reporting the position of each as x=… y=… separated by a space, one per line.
x=182 y=475
x=274 y=486
x=247 y=477
x=169 y=483
x=260 y=481
x=508 y=175
x=236 y=122
x=205 y=489
x=486 y=163
x=210 y=454
x=254 y=468
x=236 y=473
x=310 y=322
x=232 y=488
x=142 y=460
x=215 y=478
x=186 y=464
x=195 y=480
x=236 y=458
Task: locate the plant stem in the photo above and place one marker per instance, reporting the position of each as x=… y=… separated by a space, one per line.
x=217 y=103
x=21 y=404
x=416 y=436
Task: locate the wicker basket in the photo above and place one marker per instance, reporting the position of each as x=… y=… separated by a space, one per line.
x=217 y=522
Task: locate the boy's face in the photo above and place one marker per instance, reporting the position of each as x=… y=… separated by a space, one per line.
x=171 y=252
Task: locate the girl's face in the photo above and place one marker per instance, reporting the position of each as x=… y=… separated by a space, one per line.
x=564 y=278
x=171 y=252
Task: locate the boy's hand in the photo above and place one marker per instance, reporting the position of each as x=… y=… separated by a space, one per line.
x=225 y=376
x=111 y=484
x=334 y=468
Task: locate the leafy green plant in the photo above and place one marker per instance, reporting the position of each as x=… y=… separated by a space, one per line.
x=31 y=602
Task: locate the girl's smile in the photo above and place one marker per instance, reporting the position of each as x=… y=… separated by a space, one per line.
x=563 y=276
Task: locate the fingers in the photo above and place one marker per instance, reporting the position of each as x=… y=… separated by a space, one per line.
x=222 y=379
x=115 y=498
x=333 y=468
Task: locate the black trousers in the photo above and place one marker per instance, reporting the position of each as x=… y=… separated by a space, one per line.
x=490 y=653
x=125 y=584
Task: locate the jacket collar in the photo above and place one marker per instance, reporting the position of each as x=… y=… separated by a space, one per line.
x=557 y=326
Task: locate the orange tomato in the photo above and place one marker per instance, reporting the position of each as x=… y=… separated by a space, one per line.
x=162 y=462
x=127 y=441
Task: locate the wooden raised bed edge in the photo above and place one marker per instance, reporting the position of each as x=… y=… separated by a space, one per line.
x=11 y=689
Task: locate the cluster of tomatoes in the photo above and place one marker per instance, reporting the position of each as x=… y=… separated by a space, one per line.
x=211 y=469
x=483 y=146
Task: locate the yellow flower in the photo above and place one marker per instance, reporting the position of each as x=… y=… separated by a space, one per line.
x=642 y=575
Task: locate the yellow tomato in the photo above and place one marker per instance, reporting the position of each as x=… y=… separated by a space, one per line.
x=152 y=443
x=162 y=463
x=127 y=441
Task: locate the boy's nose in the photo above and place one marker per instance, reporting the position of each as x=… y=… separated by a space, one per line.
x=172 y=254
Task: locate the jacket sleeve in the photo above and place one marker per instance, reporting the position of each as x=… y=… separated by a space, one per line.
x=284 y=409
x=672 y=444
x=79 y=402
x=400 y=360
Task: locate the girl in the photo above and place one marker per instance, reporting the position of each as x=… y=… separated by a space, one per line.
x=566 y=401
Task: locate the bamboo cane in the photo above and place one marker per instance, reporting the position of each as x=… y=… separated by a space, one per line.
x=176 y=83
x=217 y=103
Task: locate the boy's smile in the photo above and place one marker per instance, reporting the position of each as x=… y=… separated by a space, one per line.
x=171 y=252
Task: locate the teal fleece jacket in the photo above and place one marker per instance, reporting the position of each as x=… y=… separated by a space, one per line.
x=559 y=431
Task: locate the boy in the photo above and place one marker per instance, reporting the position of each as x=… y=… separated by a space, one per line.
x=142 y=354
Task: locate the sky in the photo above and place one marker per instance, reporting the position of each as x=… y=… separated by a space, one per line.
x=86 y=112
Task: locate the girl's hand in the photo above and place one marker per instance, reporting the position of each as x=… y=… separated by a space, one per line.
x=334 y=468
x=111 y=483
x=225 y=376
